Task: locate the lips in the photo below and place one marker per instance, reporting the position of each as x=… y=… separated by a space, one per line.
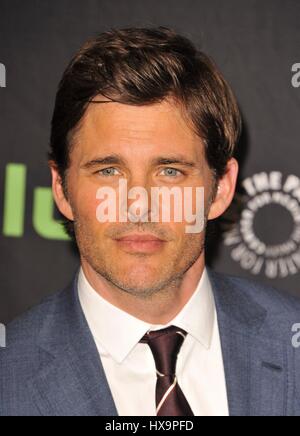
x=140 y=238
x=137 y=243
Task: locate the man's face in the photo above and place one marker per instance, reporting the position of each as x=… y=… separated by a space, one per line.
x=149 y=146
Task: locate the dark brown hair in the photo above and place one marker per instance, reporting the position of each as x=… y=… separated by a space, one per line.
x=141 y=66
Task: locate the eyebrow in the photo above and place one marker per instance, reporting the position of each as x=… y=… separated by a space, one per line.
x=173 y=161
x=115 y=159
x=106 y=160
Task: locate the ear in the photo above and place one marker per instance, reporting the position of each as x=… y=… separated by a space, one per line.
x=58 y=193
x=226 y=190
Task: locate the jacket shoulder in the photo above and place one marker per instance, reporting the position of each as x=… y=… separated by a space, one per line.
x=22 y=358
x=25 y=328
x=248 y=297
x=266 y=295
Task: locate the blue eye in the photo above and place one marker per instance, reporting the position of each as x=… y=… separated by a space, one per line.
x=172 y=172
x=107 y=172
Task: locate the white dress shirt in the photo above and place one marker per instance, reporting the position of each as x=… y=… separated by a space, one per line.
x=129 y=365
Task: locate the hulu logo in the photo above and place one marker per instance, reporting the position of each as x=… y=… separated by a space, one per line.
x=14 y=207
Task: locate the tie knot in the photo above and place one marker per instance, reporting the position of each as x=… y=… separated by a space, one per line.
x=165 y=346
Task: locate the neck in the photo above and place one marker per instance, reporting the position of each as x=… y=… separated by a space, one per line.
x=160 y=308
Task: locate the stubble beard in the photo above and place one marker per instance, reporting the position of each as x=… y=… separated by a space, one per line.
x=169 y=278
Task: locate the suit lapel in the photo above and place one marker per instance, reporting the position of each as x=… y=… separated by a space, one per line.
x=256 y=366
x=71 y=381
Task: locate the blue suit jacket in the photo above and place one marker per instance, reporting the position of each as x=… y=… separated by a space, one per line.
x=51 y=366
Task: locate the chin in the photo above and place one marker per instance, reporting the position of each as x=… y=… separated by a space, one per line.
x=139 y=281
x=140 y=264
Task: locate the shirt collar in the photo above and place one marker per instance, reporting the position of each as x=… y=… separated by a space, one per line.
x=119 y=332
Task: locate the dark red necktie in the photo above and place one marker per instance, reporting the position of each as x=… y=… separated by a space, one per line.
x=165 y=346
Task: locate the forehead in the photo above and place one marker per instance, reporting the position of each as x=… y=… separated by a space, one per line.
x=136 y=130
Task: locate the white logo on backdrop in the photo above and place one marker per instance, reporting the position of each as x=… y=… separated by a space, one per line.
x=248 y=248
x=296 y=75
x=2 y=76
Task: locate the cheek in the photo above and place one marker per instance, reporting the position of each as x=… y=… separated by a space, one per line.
x=85 y=204
x=86 y=213
x=179 y=233
x=189 y=245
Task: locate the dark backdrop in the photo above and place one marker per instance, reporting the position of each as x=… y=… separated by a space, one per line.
x=255 y=43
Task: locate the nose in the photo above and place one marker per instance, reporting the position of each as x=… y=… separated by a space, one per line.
x=139 y=198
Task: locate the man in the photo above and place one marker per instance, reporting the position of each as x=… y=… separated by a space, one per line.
x=145 y=328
